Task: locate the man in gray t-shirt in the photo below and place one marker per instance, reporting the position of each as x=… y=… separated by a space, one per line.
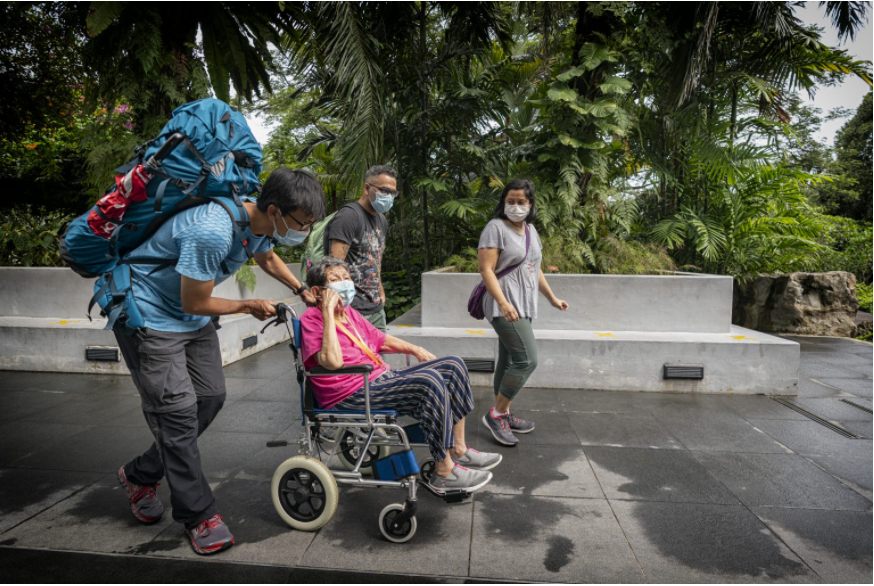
x=357 y=234
x=520 y=286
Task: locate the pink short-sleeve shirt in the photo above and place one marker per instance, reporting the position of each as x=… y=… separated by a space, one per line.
x=330 y=390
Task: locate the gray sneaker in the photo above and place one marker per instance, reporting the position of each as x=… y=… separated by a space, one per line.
x=460 y=478
x=479 y=460
x=518 y=425
x=211 y=536
x=500 y=428
x=144 y=503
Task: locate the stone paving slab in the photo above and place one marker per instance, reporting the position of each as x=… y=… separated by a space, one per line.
x=861 y=387
x=98 y=449
x=19 y=439
x=352 y=539
x=836 y=544
x=256 y=417
x=810 y=437
x=95 y=519
x=689 y=543
x=833 y=409
x=780 y=480
x=656 y=475
x=17 y=404
x=554 y=540
x=544 y=470
x=622 y=430
x=262 y=537
x=87 y=410
x=718 y=432
x=25 y=493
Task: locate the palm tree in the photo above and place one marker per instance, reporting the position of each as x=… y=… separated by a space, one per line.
x=148 y=52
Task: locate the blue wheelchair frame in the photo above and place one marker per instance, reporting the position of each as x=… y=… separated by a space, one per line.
x=368 y=429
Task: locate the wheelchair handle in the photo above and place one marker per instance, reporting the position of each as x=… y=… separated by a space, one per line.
x=284 y=313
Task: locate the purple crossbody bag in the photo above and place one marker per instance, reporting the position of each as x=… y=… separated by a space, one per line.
x=475 y=302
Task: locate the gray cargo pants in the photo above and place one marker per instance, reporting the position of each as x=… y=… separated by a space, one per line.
x=182 y=387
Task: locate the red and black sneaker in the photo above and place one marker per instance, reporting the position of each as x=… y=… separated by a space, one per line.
x=211 y=536
x=144 y=503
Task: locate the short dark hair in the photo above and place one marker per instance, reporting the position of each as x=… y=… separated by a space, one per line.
x=525 y=185
x=378 y=170
x=317 y=275
x=293 y=189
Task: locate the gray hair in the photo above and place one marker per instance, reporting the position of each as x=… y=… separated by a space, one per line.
x=317 y=275
x=378 y=170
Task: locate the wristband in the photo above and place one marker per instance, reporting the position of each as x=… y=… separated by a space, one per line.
x=303 y=288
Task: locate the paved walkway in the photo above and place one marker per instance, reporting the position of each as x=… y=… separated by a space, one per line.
x=611 y=487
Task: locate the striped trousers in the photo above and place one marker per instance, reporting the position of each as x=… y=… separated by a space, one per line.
x=436 y=393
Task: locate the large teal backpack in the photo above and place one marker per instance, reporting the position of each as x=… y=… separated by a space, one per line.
x=205 y=153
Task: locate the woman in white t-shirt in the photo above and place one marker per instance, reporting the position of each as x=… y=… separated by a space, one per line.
x=510 y=303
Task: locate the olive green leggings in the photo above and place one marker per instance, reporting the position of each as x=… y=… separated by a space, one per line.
x=517 y=355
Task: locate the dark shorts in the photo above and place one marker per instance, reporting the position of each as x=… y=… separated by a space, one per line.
x=173 y=369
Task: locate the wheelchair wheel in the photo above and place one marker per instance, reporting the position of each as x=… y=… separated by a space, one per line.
x=400 y=534
x=304 y=493
x=350 y=449
x=427 y=469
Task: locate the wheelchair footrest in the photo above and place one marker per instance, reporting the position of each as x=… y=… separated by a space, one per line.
x=450 y=496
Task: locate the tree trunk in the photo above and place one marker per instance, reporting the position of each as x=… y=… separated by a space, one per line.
x=733 y=115
x=424 y=132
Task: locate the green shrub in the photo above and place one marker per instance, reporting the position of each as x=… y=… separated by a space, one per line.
x=863 y=294
x=848 y=249
x=30 y=239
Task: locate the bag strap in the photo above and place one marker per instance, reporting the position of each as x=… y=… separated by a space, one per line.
x=510 y=269
x=360 y=343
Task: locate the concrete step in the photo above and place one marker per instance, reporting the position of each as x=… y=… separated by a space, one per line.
x=52 y=344
x=739 y=361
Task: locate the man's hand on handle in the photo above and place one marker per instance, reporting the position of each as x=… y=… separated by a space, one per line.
x=261 y=308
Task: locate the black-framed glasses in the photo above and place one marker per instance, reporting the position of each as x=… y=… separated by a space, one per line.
x=386 y=190
x=301 y=226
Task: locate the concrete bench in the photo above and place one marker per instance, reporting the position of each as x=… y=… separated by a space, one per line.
x=619 y=334
x=43 y=326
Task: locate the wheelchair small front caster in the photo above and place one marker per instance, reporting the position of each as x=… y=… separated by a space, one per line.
x=396 y=532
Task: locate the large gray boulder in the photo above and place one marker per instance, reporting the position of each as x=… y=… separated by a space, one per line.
x=814 y=304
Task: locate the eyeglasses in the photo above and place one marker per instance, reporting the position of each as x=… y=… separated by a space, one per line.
x=386 y=190
x=301 y=226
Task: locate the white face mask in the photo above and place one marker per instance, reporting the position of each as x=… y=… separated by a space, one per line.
x=516 y=213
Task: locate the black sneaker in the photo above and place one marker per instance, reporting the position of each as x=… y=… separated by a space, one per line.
x=211 y=536
x=500 y=428
x=520 y=425
x=144 y=503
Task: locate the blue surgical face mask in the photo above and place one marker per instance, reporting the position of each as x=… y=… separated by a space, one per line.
x=382 y=203
x=345 y=289
x=291 y=238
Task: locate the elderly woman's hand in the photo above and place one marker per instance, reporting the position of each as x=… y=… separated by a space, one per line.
x=330 y=300
x=422 y=355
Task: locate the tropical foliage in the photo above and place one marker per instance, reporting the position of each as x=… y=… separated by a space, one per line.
x=660 y=135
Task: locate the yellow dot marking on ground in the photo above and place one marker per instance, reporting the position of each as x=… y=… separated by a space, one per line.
x=739 y=338
x=64 y=322
x=403 y=326
x=606 y=335
x=476 y=332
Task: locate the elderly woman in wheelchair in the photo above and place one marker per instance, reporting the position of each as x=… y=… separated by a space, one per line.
x=349 y=387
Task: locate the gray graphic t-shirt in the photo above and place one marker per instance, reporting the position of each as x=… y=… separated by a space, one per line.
x=520 y=286
x=365 y=235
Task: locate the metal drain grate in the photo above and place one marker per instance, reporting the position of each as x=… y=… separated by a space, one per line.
x=479 y=364
x=856 y=405
x=814 y=417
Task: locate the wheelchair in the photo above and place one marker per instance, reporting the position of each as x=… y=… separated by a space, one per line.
x=305 y=489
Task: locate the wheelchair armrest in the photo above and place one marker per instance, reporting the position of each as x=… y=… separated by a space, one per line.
x=356 y=369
